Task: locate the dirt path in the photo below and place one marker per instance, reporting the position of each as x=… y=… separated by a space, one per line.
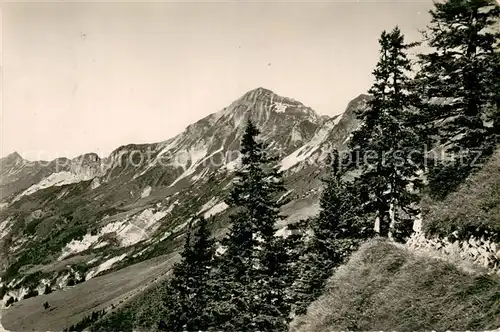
x=464 y=265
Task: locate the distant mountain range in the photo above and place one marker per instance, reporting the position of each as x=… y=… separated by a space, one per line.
x=83 y=217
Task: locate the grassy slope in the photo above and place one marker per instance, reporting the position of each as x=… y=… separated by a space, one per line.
x=143 y=312
x=474 y=209
x=385 y=287
x=69 y=306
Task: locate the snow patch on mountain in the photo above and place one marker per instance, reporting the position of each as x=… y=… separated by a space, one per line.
x=172 y=206
x=165 y=236
x=112 y=227
x=95 y=183
x=187 y=158
x=337 y=119
x=16 y=167
x=285 y=195
x=216 y=209
x=146 y=192
x=104 y=266
x=280 y=107
x=168 y=146
x=131 y=235
x=147 y=218
x=180 y=227
x=303 y=213
x=165 y=153
x=17 y=293
x=5 y=227
x=190 y=157
x=57 y=180
x=213 y=207
x=76 y=246
x=238 y=118
x=62 y=193
x=41 y=286
x=305 y=152
x=234 y=164
x=208 y=204
x=62 y=281
x=128 y=232
x=283 y=232
x=135 y=230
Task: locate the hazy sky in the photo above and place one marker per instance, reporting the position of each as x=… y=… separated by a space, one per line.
x=82 y=77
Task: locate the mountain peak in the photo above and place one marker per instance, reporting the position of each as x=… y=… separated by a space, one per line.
x=259 y=93
x=15 y=154
x=13 y=157
x=262 y=98
x=358 y=103
x=362 y=98
x=264 y=94
x=262 y=90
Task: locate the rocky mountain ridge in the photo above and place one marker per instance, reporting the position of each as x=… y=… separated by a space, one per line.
x=80 y=218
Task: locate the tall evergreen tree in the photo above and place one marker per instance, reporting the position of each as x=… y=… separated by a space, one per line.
x=335 y=233
x=250 y=273
x=385 y=148
x=459 y=79
x=188 y=292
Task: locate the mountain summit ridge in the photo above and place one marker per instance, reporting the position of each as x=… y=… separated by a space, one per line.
x=264 y=93
x=136 y=203
x=274 y=102
x=286 y=124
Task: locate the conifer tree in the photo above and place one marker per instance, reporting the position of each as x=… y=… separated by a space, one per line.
x=336 y=232
x=273 y=305
x=459 y=79
x=188 y=292
x=386 y=149
x=252 y=271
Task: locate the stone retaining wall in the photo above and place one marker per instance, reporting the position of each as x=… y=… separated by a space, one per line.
x=478 y=251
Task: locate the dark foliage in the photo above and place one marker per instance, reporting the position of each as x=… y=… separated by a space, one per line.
x=86 y=321
x=188 y=292
x=387 y=148
x=460 y=82
x=336 y=232
x=252 y=272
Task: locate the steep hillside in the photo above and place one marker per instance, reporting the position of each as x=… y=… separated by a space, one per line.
x=446 y=277
x=75 y=220
x=474 y=209
x=386 y=287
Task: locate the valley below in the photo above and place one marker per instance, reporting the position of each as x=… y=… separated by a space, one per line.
x=70 y=305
